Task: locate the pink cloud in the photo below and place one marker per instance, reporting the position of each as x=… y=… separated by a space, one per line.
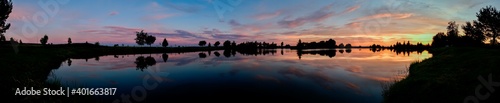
x=317 y=16
x=113 y=13
x=386 y=15
x=265 y=16
x=354 y=25
x=353 y=8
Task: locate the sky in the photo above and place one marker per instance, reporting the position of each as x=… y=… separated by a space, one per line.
x=185 y=22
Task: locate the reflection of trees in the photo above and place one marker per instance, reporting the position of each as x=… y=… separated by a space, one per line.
x=257 y=51
x=69 y=62
x=150 y=61
x=217 y=54
x=97 y=58
x=330 y=53
x=164 y=56
x=407 y=52
x=227 y=53
x=142 y=63
x=202 y=55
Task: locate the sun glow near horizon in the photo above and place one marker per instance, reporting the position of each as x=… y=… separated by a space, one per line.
x=358 y=22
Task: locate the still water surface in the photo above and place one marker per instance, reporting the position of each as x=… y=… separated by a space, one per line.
x=355 y=76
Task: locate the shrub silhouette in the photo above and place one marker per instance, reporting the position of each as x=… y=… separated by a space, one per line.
x=141 y=37
x=69 y=41
x=150 y=39
x=164 y=43
x=216 y=44
x=202 y=43
x=44 y=40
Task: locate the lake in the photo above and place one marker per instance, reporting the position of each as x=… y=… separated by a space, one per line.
x=354 y=76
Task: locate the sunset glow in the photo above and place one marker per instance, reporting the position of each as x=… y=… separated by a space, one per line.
x=359 y=22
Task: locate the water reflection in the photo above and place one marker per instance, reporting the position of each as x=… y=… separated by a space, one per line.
x=164 y=56
x=202 y=55
x=319 y=75
x=143 y=63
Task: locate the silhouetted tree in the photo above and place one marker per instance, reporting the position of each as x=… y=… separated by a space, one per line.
x=20 y=41
x=165 y=42
x=2 y=38
x=348 y=46
x=209 y=45
x=489 y=22
x=69 y=41
x=150 y=39
x=202 y=43
x=97 y=43
x=341 y=45
x=452 y=33
x=331 y=43
x=281 y=44
x=12 y=40
x=473 y=33
x=227 y=44
x=44 y=40
x=233 y=44
x=6 y=9
x=439 y=40
x=141 y=37
x=299 y=44
x=216 y=44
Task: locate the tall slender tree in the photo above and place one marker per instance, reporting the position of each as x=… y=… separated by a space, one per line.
x=452 y=33
x=6 y=9
x=164 y=43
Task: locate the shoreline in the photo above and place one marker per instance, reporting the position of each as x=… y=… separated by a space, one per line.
x=451 y=75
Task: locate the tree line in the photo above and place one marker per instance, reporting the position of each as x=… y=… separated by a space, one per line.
x=475 y=33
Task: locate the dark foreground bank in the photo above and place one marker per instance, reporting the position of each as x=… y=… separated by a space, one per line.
x=452 y=75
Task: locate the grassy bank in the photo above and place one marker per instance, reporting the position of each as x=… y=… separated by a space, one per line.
x=450 y=76
x=31 y=65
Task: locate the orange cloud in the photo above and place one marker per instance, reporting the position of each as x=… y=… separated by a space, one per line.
x=385 y=15
x=353 y=8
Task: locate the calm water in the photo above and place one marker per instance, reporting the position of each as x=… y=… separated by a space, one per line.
x=326 y=76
